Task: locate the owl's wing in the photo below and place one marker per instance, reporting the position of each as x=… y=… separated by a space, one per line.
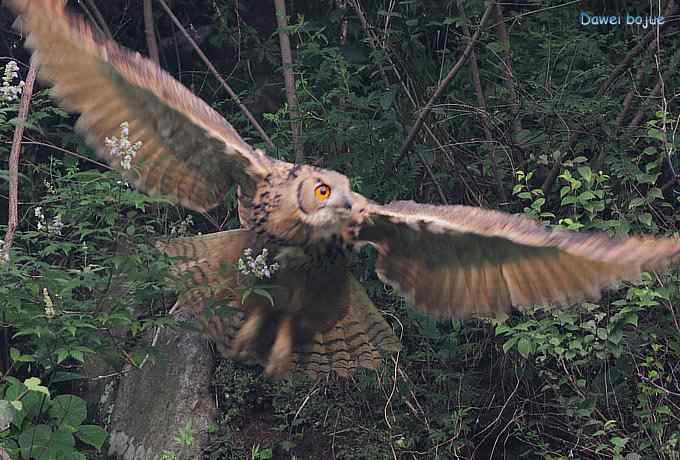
x=460 y=261
x=189 y=153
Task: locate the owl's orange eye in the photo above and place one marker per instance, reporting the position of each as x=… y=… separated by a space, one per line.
x=322 y=192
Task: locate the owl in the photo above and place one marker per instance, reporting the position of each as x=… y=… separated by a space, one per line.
x=300 y=223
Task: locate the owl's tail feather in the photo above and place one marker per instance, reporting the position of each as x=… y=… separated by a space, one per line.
x=357 y=340
x=276 y=339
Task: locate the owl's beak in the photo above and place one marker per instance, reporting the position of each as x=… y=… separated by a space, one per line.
x=344 y=202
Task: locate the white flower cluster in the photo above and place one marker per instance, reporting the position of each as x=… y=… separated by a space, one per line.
x=182 y=228
x=9 y=91
x=50 y=312
x=54 y=227
x=122 y=147
x=50 y=188
x=256 y=266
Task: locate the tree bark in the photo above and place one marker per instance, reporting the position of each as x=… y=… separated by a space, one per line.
x=151 y=42
x=289 y=78
x=15 y=153
x=13 y=211
x=508 y=75
x=484 y=114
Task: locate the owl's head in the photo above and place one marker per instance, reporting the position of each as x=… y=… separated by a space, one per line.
x=325 y=201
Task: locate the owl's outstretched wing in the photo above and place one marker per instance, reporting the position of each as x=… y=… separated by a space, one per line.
x=460 y=261
x=189 y=153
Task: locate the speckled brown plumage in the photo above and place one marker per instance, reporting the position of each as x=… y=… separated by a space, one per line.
x=448 y=260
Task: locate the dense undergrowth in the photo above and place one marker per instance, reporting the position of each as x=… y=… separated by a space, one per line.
x=565 y=136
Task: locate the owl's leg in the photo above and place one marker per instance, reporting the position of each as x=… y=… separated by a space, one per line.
x=279 y=360
x=247 y=334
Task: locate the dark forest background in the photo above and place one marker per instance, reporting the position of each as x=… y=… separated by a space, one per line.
x=573 y=125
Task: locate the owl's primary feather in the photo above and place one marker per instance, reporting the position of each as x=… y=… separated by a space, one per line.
x=448 y=260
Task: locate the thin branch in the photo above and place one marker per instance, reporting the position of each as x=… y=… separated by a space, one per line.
x=637 y=119
x=344 y=24
x=151 y=42
x=484 y=114
x=217 y=75
x=628 y=99
x=289 y=78
x=96 y=17
x=67 y=152
x=442 y=86
x=508 y=75
x=24 y=105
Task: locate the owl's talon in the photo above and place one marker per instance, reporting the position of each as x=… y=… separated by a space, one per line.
x=240 y=347
x=279 y=360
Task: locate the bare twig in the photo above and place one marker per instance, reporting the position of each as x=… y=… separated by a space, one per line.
x=24 y=105
x=151 y=42
x=483 y=113
x=289 y=78
x=217 y=75
x=443 y=85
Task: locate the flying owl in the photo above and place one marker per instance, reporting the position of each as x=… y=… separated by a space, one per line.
x=446 y=260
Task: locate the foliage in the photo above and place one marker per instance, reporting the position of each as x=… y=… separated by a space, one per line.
x=82 y=259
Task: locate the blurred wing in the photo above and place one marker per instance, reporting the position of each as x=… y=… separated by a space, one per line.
x=189 y=153
x=459 y=260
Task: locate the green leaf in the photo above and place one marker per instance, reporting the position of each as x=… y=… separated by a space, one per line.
x=68 y=411
x=7 y=412
x=645 y=218
x=34 y=443
x=92 y=434
x=619 y=442
x=585 y=172
x=264 y=293
x=65 y=377
x=631 y=318
x=636 y=202
x=33 y=384
x=387 y=99
x=524 y=347
x=17 y=357
x=509 y=344
x=664 y=410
